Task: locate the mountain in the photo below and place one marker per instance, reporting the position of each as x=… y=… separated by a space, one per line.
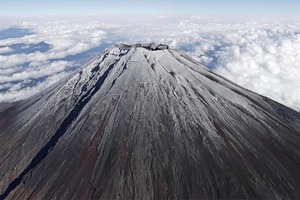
x=148 y=122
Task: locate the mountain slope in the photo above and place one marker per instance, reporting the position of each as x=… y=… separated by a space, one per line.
x=147 y=121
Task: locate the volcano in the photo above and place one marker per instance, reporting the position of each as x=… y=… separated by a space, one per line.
x=148 y=122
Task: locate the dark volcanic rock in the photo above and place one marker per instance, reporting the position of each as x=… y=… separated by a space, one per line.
x=148 y=122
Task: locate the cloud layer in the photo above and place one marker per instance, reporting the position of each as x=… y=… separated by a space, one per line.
x=30 y=70
x=261 y=55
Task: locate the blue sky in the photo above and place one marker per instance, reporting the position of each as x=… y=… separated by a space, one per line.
x=200 y=7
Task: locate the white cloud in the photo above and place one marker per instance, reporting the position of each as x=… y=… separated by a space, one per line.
x=65 y=38
x=261 y=55
x=5 y=50
x=17 y=92
x=264 y=60
x=24 y=74
x=38 y=71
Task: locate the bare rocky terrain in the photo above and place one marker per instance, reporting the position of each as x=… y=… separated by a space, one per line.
x=148 y=122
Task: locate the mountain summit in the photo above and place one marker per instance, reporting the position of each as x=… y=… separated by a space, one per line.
x=148 y=122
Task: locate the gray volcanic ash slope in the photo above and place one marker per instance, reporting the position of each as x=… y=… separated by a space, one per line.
x=147 y=121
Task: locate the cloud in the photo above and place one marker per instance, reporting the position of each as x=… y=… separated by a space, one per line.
x=18 y=92
x=37 y=70
x=64 y=38
x=259 y=54
x=5 y=50
x=24 y=74
x=267 y=62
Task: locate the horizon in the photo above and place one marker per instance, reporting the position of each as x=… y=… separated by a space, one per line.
x=232 y=8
